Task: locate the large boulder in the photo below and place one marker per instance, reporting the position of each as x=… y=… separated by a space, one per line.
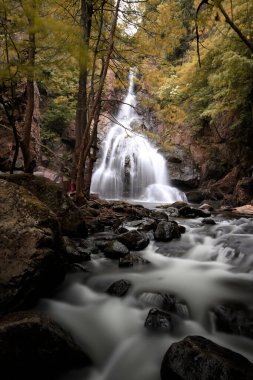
x=53 y=196
x=32 y=252
x=33 y=346
x=167 y=231
x=134 y=240
x=198 y=358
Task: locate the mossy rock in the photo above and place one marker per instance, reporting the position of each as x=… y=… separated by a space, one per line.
x=53 y=196
x=32 y=252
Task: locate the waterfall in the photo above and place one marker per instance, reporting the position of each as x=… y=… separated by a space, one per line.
x=131 y=167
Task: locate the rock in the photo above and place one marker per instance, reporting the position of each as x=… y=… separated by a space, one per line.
x=206 y=206
x=52 y=195
x=126 y=261
x=182 y=229
x=190 y=212
x=134 y=240
x=243 y=193
x=178 y=204
x=167 y=303
x=172 y=212
x=145 y=224
x=148 y=225
x=227 y=184
x=195 y=196
x=198 y=358
x=90 y=245
x=76 y=253
x=121 y=230
x=245 y=210
x=134 y=223
x=76 y=267
x=119 y=288
x=115 y=249
x=32 y=251
x=182 y=168
x=167 y=231
x=234 y=319
x=33 y=346
x=160 y=215
x=158 y=320
x=209 y=221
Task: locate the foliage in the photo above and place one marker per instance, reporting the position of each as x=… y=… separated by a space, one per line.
x=184 y=92
x=57 y=116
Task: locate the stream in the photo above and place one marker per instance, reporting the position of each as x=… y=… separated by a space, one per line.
x=208 y=266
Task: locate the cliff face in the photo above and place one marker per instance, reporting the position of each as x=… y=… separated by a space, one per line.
x=216 y=159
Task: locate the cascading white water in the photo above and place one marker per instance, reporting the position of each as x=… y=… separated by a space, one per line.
x=207 y=267
x=131 y=167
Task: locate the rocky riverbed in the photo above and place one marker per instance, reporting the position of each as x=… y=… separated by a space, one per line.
x=145 y=290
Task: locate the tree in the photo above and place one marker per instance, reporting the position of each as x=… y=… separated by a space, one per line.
x=89 y=135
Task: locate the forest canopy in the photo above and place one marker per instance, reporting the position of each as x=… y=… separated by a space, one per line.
x=194 y=60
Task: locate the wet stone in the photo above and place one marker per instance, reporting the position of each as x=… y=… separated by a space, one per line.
x=172 y=212
x=119 y=288
x=134 y=240
x=167 y=231
x=115 y=250
x=209 y=221
x=160 y=215
x=126 y=261
x=197 y=358
x=158 y=320
x=234 y=319
x=190 y=212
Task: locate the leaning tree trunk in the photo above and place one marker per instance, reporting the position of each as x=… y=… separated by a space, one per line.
x=85 y=148
x=26 y=130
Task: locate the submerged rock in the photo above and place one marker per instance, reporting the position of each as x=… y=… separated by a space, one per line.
x=134 y=240
x=209 y=221
x=33 y=346
x=126 y=261
x=167 y=231
x=158 y=320
x=198 y=358
x=32 y=252
x=119 y=288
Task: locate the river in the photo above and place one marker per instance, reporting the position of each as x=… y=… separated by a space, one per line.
x=206 y=267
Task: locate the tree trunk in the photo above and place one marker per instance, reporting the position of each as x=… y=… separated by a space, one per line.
x=92 y=157
x=82 y=101
x=85 y=148
x=25 y=140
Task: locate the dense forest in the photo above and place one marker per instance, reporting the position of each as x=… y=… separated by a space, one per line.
x=66 y=64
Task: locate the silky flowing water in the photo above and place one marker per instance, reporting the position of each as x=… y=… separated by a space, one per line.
x=207 y=266
x=131 y=167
